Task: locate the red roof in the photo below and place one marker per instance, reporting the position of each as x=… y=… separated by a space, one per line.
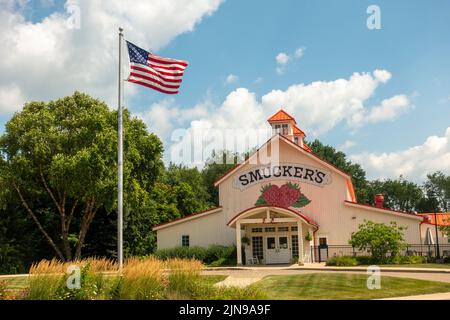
x=281 y=116
x=385 y=209
x=297 y=130
x=187 y=216
x=443 y=219
x=306 y=147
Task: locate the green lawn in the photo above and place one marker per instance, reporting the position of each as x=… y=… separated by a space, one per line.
x=329 y=286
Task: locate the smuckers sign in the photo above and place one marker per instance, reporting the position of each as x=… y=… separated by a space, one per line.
x=283 y=171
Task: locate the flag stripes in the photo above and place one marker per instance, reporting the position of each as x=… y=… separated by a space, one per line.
x=155 y=72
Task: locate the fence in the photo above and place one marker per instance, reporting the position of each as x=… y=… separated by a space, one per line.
x=322 y=253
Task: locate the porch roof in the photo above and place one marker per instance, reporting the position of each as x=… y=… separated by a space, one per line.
x=287 y=211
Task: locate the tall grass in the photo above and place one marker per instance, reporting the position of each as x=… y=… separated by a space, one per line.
x=141 y=279
x=48 y=279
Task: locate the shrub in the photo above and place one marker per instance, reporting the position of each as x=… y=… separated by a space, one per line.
x=364 y=260
x=378 y=239
x=198 y=253
x=405 y=260
x=218 y=262
x=343 y=261
x=214 y=253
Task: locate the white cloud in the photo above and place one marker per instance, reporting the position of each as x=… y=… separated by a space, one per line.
x=382 y=75
x=321 y=105
x=10 y=98
x=346 y=145
x=283 y=59
x=388 y=110
x=47 y=59
x=413 y=163
x=231 y=78
x=299 y=52
x=318 y=107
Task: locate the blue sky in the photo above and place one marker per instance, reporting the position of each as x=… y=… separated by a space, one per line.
x=243 y=38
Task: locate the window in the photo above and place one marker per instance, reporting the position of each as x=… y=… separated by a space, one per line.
x=294 y=246
x=296 y=140
x=255 y=230
x=270 y=243
x=185 y=241
x=284 y=129
x=277 y=128
x=283 y=229
x=269 y=229
x=283 y=242
x=257 y=247
x=294 y=228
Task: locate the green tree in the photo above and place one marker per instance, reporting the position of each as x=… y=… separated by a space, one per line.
x=379 y=239
x=188 y=188
x=65 y=152
x=399 y=194
x=339 y=159
x=437 y=188
x=215 y=167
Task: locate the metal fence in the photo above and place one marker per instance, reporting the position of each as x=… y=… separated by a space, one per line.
x=323 y=253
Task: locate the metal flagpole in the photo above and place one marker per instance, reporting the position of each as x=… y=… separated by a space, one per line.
x=120 y=162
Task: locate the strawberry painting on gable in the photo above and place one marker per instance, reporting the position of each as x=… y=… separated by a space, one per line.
x=288 y=195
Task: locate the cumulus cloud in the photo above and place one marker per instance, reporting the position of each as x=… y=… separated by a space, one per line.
x=48 y=59
x=231 y=78
x=388 y=110
x=321 y=105
x=318 y=107
x=413 y=163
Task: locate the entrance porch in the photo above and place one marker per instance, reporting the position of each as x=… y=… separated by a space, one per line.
x=273 y=235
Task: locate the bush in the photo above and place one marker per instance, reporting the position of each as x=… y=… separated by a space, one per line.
x=214 y=254
x=344 y=261
x=365 y=260
x=198 y=253
x=405 y=260
x=378 y=239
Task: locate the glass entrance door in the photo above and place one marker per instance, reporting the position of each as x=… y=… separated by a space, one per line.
x=277 y=249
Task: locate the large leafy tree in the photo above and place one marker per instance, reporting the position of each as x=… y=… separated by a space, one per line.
x=64 y=153
x=399 y=194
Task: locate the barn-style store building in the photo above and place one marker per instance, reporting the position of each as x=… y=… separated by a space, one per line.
x=298 y=207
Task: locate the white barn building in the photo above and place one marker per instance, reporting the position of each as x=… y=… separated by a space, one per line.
x=284 y=208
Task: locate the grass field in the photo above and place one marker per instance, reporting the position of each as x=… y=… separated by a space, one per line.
x=329 y=286
x=317 y=286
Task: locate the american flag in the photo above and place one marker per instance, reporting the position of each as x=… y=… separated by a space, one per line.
x=159 y=73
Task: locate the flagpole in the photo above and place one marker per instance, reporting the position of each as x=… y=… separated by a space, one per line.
x=120 y=162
